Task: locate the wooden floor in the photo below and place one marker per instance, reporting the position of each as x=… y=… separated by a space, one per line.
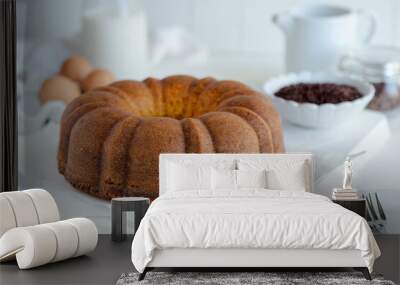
x=102 y=266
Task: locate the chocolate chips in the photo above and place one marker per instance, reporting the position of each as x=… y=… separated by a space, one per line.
x=319 y=93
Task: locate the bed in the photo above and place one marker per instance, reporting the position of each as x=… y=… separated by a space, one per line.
x=245 y=211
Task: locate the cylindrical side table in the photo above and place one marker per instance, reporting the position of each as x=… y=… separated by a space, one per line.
x=138 y=205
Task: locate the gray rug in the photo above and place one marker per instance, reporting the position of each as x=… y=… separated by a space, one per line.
x=268 y=278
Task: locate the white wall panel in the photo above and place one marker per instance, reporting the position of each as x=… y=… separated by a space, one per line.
x=224 y=25
x=170 y=13
x=220 y=23
x=260 y=35
x=396 y=22
x=245 y=25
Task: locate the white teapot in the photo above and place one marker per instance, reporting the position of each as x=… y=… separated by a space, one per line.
x=317 y=36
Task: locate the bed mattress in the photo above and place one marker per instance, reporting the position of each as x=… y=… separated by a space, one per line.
x=250 y=219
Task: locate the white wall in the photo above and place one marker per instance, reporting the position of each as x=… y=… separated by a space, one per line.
x=245 y=26
x=224 y=25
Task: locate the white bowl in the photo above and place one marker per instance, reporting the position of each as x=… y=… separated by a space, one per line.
x=313 y=115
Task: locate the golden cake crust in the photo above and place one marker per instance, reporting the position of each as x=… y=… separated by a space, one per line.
x=175 y=90
x=223 y=127
x=156 y=89
x=197 y=136
x=111 y=137
x=86 y=147
x=115 y=151
x=265 y=110
x=153 y=136
x=261 y=128
x=138 y=93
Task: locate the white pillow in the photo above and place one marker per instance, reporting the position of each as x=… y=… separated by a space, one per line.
x=293 y=180
x=188 y=177
x=282 y=174
x=251 y=178
x=223 y=179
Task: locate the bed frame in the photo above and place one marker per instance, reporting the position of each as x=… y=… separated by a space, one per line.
x=233 y=259
x=236 y=259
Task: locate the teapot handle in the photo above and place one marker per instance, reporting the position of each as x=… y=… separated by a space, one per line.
x=283 y=20
x=368 y=17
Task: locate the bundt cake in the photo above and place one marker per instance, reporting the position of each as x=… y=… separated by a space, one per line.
x=111 y=137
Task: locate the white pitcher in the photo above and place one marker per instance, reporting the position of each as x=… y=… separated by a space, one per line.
x=318 y=35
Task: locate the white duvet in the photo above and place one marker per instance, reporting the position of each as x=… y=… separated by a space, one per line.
x=250 y=219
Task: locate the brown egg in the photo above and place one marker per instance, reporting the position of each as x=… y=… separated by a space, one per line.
x=59 y=88
x=97 y=78
x=76 y=68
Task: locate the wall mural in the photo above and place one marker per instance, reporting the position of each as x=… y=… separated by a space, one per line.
x=103 y=89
